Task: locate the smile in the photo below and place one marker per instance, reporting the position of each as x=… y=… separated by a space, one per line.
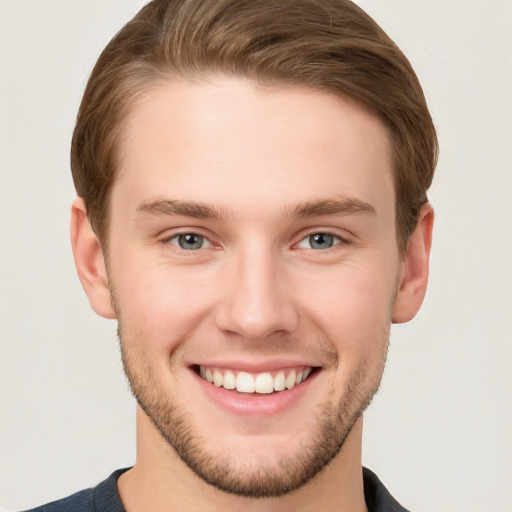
x=262 y=383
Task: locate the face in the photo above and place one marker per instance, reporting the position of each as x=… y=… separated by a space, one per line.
x=253 y=265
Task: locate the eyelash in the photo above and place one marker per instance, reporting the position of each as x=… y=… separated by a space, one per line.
x=168 y=241
x=337 y=240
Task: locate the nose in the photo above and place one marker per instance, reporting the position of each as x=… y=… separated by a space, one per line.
x=258 y=298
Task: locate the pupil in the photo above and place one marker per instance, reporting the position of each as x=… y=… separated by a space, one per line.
x=190 y=241
x=321 y=241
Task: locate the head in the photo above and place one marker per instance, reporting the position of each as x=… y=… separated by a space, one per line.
x=327 y=45
x=255 y=173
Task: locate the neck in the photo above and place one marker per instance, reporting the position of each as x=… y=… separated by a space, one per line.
x=160 y=481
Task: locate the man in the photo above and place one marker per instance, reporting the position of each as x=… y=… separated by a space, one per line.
x=252 y=209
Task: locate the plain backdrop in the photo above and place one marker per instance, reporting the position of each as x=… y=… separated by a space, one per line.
x=439 y=433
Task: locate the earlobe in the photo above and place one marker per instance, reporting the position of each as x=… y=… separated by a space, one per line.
x=413 y=277
x=89 y=261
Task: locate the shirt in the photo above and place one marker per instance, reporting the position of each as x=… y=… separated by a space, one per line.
x=105 y=497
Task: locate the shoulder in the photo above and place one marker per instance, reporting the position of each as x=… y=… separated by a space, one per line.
x=82 y=501
x=102 y=498
x=378 y=498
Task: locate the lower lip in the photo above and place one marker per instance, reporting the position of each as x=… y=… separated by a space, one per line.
x=254 y=404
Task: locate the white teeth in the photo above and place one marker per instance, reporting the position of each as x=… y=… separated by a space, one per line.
x=217 y=378
x=290 y=380
x=245 y=383
x=279 y=382
x=263 y=383
x=229 y=380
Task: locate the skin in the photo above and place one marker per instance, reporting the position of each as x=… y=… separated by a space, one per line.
x=274 y=165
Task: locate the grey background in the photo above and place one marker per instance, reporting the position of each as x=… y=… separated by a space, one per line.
x=439 y=432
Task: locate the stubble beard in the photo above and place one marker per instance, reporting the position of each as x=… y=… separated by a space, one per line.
x=335 y=423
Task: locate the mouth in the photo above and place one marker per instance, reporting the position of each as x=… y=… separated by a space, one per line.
x=264 y=383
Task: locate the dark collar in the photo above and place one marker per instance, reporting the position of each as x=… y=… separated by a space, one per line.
x=377 y=497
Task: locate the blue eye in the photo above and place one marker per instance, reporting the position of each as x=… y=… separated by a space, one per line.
x=319 y=241
x=190 y=241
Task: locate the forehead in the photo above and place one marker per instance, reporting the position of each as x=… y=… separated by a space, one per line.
x=242 y=145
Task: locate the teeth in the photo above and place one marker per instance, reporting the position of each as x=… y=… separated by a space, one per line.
x=279 y=382
x=290 y=380
x=262 y=383
x=229 y=380
x=217 y=378
x=245 y=383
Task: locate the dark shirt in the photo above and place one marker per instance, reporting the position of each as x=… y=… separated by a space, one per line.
x=105 y=498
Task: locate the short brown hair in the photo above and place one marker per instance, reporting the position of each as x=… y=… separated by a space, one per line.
x=329 y=45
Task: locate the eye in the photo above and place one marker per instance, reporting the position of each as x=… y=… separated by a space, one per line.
x=319 y=241
x=190 y=241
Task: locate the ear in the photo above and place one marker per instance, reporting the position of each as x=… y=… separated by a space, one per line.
x=89 y=261
x=413 y=276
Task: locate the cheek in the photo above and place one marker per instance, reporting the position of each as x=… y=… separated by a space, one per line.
x=353 y=307
x=159 y=305
x=357 y=324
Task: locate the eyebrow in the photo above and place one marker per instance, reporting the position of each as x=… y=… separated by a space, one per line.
x=184 y=208
x=198 y=210
x=341 y=205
